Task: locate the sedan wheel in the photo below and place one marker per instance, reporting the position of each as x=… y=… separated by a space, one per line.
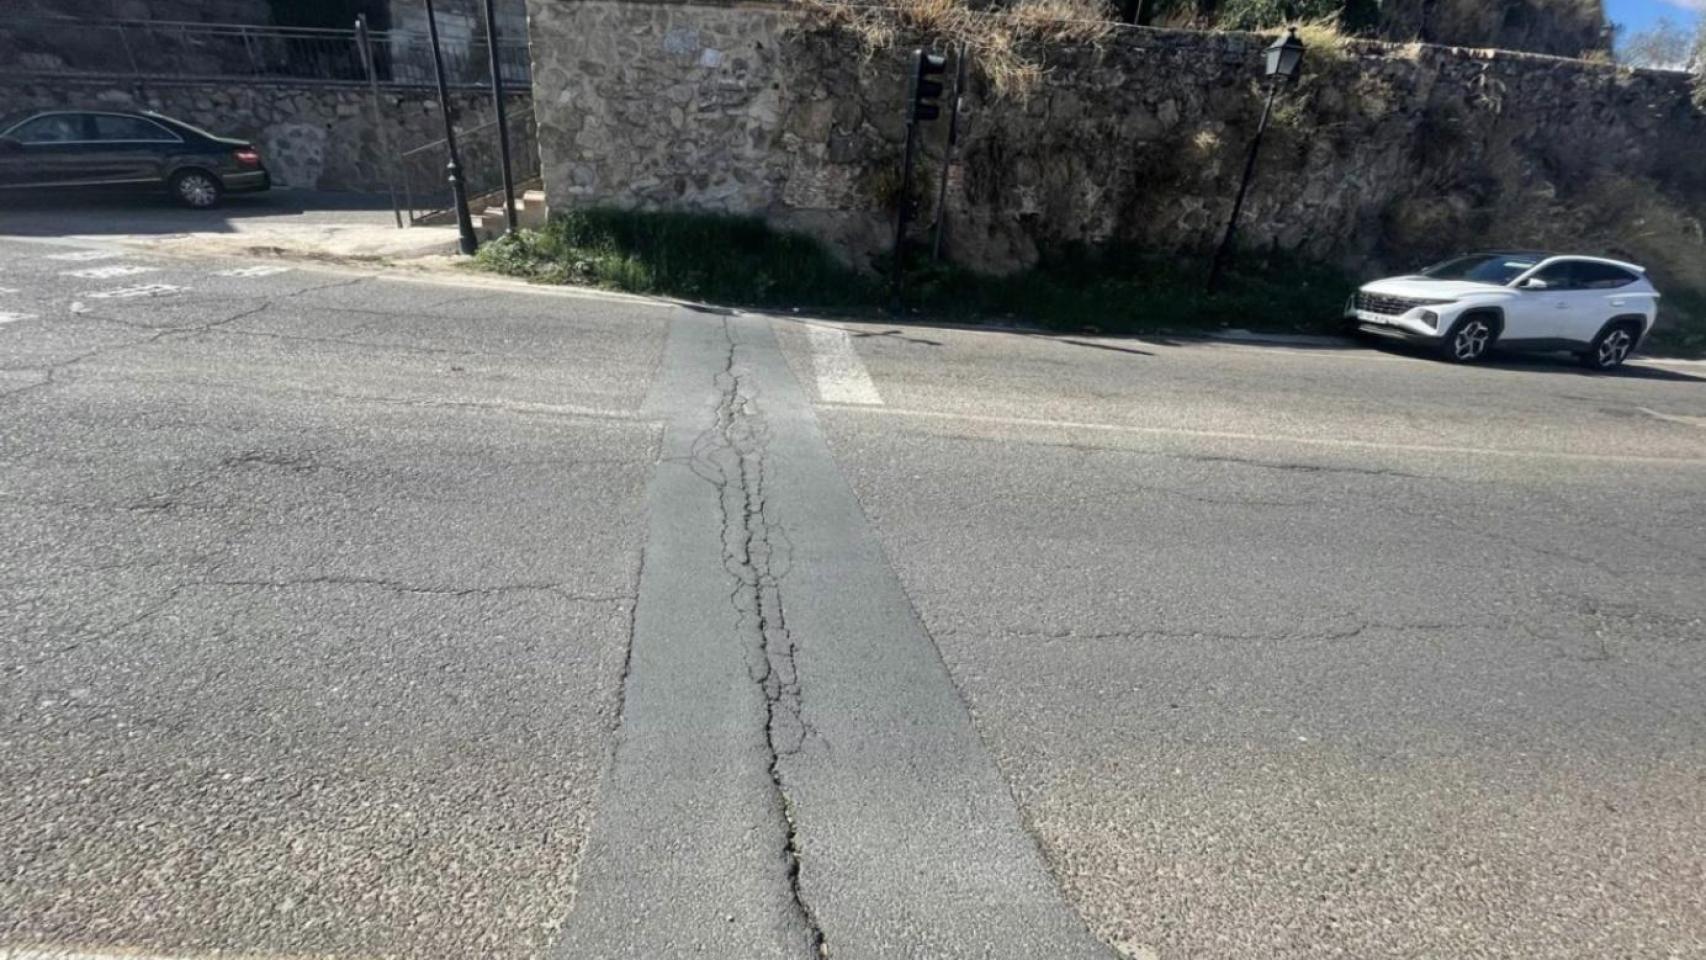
x=1469 y=340
x=196 y=189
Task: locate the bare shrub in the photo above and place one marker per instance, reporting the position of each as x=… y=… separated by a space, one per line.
x=1002 y=39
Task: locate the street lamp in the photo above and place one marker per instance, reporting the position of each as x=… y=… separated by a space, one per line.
x=466 y=241
x=1280 y=62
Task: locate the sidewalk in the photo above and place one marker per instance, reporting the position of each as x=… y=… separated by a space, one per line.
x=290 y=223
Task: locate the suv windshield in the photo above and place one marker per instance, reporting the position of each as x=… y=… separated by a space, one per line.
x=1500 y=268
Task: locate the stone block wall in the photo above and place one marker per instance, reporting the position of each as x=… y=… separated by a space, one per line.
x=1383 y=154
x=320 y=137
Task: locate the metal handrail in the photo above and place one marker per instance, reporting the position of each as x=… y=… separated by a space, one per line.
x=183 y=50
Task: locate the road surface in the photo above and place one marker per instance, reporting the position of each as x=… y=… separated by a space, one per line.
x=349 y=615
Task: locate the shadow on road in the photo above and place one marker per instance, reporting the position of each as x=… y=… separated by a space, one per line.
x=1551 y=364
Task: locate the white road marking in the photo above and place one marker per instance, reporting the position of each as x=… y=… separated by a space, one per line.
x=84 y=256
x=107 y=273
x=1675 y=417
x=841 y=375
x=1275 y=438
x=251 y=272
x=9 y=317
x=7 y=290
x=140 y=290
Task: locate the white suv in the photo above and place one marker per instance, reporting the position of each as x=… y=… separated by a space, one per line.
x=1595 y=308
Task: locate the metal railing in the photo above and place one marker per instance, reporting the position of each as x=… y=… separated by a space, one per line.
x=165 y=50
x=426 y=190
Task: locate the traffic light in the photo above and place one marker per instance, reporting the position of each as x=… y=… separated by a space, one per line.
x=925 y=90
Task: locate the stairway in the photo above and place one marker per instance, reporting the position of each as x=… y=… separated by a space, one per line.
x=530 y=214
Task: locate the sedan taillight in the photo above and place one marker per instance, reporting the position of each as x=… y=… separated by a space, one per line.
x=248 y=156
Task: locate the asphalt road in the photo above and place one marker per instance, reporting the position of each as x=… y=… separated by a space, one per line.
x=356 y=616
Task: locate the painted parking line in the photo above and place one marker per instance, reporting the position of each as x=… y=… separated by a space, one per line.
x=108 y=273
x=140 y=290
x=84 y=256
x=841 y=375
x=252 y=272
x=7 y=316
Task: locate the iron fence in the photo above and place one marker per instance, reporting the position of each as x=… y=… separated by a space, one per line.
x=426 y=189
x=162 y=50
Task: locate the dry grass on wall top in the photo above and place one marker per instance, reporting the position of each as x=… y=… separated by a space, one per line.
x=1000 y=38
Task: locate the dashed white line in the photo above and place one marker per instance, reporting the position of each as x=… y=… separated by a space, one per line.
x=8 y=290
x=84 y=256
x=107 y=273
x=841 y=375
x=9 y=317
x=252 y=272
x=140 y=290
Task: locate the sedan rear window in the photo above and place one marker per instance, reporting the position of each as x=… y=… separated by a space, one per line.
x=111 y=126
x=1481 y=268
x=54 y=128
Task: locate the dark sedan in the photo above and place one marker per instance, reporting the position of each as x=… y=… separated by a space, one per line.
x=108 y=149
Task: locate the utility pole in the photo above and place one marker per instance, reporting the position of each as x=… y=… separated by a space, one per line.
x=503 y=124
x=466 y=241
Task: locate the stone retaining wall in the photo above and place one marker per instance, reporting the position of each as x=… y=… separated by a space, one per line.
x=1382 y=154
x=312 y=136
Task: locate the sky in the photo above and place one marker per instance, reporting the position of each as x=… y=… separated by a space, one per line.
x=1637 y=15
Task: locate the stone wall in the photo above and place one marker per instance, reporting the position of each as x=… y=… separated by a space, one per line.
x=1383 y=154
x=312 y=136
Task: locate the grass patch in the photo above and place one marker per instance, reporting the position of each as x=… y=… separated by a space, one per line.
x=1681 y=330
x=733 y=260
x=740 y=261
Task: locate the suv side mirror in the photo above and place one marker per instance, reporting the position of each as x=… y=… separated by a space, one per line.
x=1534 y=283
x=8 y=146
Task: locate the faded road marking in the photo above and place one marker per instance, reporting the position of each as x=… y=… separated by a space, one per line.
x=84 y=256
x=140 y=290
x=1277 y=438
x=7 y=290
x=9 y=317
x=251 y=272
x=76 y=953
x=1675 y=418
x=107 y=273
x=841 y=375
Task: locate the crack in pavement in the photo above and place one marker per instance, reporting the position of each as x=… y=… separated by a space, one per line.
x=51 y=370
x=730 y=455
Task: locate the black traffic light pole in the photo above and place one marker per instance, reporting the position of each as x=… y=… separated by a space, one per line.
x=921 y=106
x=458 y=191
x=948 y=151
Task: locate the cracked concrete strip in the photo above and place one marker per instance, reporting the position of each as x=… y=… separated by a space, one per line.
x=795 y=774
x=688 y=853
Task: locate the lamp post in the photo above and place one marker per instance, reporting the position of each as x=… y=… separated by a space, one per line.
x=458 y=190
x=1280 y=63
